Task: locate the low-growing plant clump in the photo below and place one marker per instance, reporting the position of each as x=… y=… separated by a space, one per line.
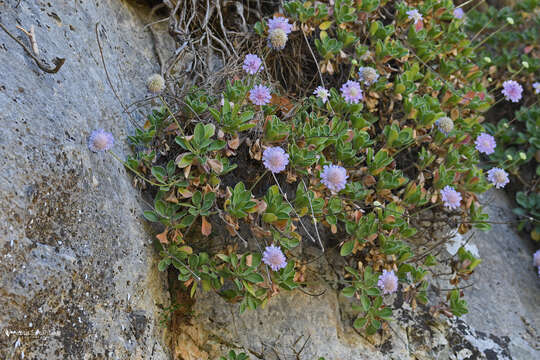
x=510 y=59
x=388 y=126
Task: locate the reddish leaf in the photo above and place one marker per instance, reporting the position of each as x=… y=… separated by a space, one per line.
x=206 y=227
x=163 y=237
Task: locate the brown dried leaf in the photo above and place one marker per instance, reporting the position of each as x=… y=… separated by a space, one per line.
x=260 y=233
x=185 y=193
x=171 y=128
x=216 y=165
x=291 y=177
x=187 y=170
x=261 y=206
x=371 y=237
x=162 y=237
x=234 y=143
x=255 y=151
x=369 y=180
x=206 y=227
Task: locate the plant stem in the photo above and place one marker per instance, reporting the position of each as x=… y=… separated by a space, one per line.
x=292 y=207
x=313 y=216
x=257 y=181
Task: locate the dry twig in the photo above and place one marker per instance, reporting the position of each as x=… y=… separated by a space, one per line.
x=58 y=62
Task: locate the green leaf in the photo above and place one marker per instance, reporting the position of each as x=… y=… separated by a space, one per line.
x=159 y=173
x=161 y=207
x=164 y=264
x=223 y=257
x=256 y=260
x=216 y=145
x=366 y=304
x=198 y=134
x=254 y=278
x=385 y=313
x=196 y=199
x=269 y=218
x=373 y=291
x=359 y=323
x=150 y=216
x=348 y=291
x=347 y=247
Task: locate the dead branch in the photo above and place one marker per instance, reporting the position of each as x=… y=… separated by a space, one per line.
x=58 y=62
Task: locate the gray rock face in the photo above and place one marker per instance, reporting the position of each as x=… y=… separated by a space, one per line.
x=77 y=272
x=504 y=299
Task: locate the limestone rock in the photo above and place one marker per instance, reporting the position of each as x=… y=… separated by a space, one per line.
x=78 y=278
x=505 y=296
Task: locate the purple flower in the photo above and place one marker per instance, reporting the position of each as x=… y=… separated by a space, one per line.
x=536 y=87
x=273 y=257
x=536 y=258
x=100 y=140
x=277 y=39
x=445 y=125
x=368 y=75
x=260 y=95
x=415 y=16
x=322 y=93
x=450 y=197
x=459 y=13
x=388 y=282
x=275 y=159
x=278 y=31
x=485 y=143
x=498 y=177
x=334 y=177
x=512 y=90
x=352 y=92
x=252 y=64
x=280 y=22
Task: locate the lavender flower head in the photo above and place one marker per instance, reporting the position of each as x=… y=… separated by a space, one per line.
x=368 y=75
x=352 y=92
x=275 y=159
x=260 y=95
x=445 y=125
x=252 y=64
x=334 y=177
x=459 y=13
x=450 y=197
x=536 y=87
x=485 y=143
x=498 y=177
x=536 y=258
x=388 y=282
x=100 y=141
x=322 y=93
x=512 y=90
x=277 y=39
x=280 y=22
x=414 y=15
x=273 y=257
